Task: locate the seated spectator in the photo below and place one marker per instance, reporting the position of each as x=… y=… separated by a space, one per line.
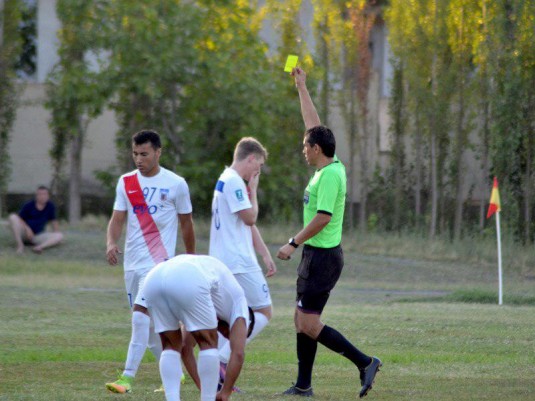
x=29 y=225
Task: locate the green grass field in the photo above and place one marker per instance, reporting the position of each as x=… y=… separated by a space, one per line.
x=65 y=325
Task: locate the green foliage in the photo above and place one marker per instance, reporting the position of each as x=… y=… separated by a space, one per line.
x=10 y=47
x=199 y=74
x=461 y=59
x=26 y=63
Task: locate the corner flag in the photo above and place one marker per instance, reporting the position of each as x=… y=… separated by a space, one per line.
x=494 y=200
x=495 y=208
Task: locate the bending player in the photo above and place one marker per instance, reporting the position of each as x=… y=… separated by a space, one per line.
x=197 y=290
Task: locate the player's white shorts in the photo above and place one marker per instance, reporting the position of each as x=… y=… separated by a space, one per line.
x=256 y=290
x=133 y=280
x=184 y=294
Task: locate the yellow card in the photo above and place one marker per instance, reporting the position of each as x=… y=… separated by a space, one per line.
x=291 y=63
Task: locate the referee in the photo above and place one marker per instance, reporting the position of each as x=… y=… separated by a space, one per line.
x=322 y=259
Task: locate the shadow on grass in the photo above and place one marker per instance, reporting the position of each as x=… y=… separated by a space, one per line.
x=475 y=297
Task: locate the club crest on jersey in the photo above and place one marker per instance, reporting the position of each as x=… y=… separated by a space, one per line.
x=164 y=193
x=239 y=195
x=306 y=197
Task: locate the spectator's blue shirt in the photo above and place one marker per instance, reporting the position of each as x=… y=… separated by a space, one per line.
x=36 y=218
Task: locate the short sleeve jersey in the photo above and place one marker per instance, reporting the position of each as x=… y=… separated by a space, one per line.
x=326 y=193
x=231 y=240
x=152 y=225
x=35 y=218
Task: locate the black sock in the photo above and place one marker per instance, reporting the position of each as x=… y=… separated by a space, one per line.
x=306 y=353
x=336 y=342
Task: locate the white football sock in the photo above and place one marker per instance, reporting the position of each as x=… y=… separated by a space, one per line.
x=138 y=343
x=208 y=368
x=260 y=321
x=170 y=372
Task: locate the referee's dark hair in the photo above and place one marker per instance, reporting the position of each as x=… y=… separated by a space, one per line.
x=147 y=135
x=323 y=137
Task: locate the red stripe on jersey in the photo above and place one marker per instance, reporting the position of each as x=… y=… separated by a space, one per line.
x=150 y=231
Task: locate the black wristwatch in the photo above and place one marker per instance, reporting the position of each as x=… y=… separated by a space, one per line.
x=292 y=242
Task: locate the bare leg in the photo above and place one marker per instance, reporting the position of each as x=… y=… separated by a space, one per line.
x=18 y=227
x=51 y=239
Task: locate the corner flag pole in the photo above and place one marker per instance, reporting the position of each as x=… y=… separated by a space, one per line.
x=495 y=208
x=500 y=286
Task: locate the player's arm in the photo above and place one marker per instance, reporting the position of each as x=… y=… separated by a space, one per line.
x=262 y=249
x=115 y=227
x=308 y=110
x=317 y=224
x=250 y=215
x=188 y=357
x=237 y=337
x=188 y=232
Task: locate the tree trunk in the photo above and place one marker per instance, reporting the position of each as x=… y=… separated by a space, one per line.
x=485 y=108
x=418 y=171
x=484 y=161
x=352 y=135
x=75 y=177
x=527 y=196
x=434 y=187
x=397 y=100
x=460 y=144
x=363 y=216
x=433 y=127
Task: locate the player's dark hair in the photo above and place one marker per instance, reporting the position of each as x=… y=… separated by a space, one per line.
x=323 y=137
x=43 y=187
x=145 y=136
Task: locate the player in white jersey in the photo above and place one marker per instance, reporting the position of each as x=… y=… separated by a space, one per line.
x=198 y=291
x=234 y=237
x=151 y=200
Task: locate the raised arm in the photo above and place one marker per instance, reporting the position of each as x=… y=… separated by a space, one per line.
x=308 y=110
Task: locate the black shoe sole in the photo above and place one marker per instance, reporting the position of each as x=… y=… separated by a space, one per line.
x=373 y=382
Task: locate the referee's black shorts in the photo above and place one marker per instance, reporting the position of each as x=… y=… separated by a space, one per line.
x=317 y=274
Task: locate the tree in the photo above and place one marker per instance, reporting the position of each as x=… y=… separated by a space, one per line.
x=397 y=110
x=363 y=16
x=418 y=36
x=239 y=91
x=199 y=73
x=511 y=133
x=462 y=27
x=10 y=42
x=74 y=94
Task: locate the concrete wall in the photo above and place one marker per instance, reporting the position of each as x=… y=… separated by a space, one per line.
x=31 y=141
x=31 y=137
x=47 y=40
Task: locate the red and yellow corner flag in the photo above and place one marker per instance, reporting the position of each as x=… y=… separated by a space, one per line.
x=494 y=200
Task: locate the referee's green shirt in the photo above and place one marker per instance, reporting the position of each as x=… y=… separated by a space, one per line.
x=326 y=193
